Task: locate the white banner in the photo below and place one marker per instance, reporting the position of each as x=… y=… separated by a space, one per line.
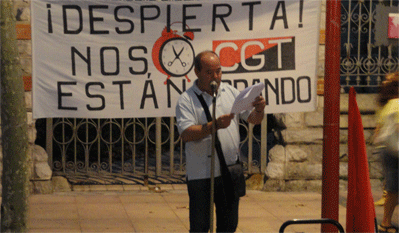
x=123 y=59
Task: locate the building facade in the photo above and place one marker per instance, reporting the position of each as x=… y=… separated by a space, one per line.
x=294 y=164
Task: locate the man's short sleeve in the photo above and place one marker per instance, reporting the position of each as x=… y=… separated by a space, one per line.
x=184 y=113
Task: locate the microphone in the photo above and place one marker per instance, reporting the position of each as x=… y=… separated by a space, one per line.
x=214 y=87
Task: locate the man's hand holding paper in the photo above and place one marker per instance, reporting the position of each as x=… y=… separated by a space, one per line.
x=259 y=104
x=249 y=98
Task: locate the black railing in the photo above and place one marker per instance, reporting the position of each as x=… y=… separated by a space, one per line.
x=311 y=221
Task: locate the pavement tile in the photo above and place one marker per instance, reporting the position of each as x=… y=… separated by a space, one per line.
x=147 y=210
x=101 y=211
x=252 y=209
x=306 y=196
x=127 y=187
x=272 y=196
x=97 y=199
x=292 y=208
x=176 y=199
x=303 y=228
x=40 y=223
x=107 y=225
x=114 y=187
x=142 y=197
x=179 y=186
x=109 y=229
x=164 y=224
x=246 y=224
x=64 y=229
x=143 y=210
x=50 y=199
x=81 y=188
x=165 y=187
x=96 y=188
x=183 y=215
x=53 y=211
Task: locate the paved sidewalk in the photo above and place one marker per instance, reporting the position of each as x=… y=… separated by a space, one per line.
x=138 y=209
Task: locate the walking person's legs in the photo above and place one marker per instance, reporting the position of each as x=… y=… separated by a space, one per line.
x=391 y=182
x=389 y=207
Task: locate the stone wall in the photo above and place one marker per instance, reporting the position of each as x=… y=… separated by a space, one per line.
x=296 y=166
x=41 y=171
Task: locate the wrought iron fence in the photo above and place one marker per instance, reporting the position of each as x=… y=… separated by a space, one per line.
x=134 y=150
x=363 y=64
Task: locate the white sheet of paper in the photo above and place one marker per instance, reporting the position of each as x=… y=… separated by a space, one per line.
x=246 y=97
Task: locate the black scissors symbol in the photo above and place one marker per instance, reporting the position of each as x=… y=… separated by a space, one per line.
x=177 y=57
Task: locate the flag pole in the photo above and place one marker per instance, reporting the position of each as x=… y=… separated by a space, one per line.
x=330 y=175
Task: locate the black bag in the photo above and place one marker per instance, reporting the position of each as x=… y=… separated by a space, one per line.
x=233 y=175
x=236 y=172
x=233 y=181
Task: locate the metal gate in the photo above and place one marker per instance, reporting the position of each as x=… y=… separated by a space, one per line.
x=131 y=151
x=363 y=63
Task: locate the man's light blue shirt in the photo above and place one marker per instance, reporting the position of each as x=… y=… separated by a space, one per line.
x=189 y=112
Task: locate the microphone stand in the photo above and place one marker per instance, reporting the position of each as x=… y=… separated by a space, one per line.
x=213 y=160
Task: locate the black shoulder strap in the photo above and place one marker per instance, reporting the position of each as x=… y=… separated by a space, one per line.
x=205 y=107
x=218 y=146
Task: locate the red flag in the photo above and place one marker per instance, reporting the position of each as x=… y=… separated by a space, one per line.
x=393 y=26
x=360 y=212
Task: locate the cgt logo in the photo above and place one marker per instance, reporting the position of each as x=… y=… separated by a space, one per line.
x=256 y=55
